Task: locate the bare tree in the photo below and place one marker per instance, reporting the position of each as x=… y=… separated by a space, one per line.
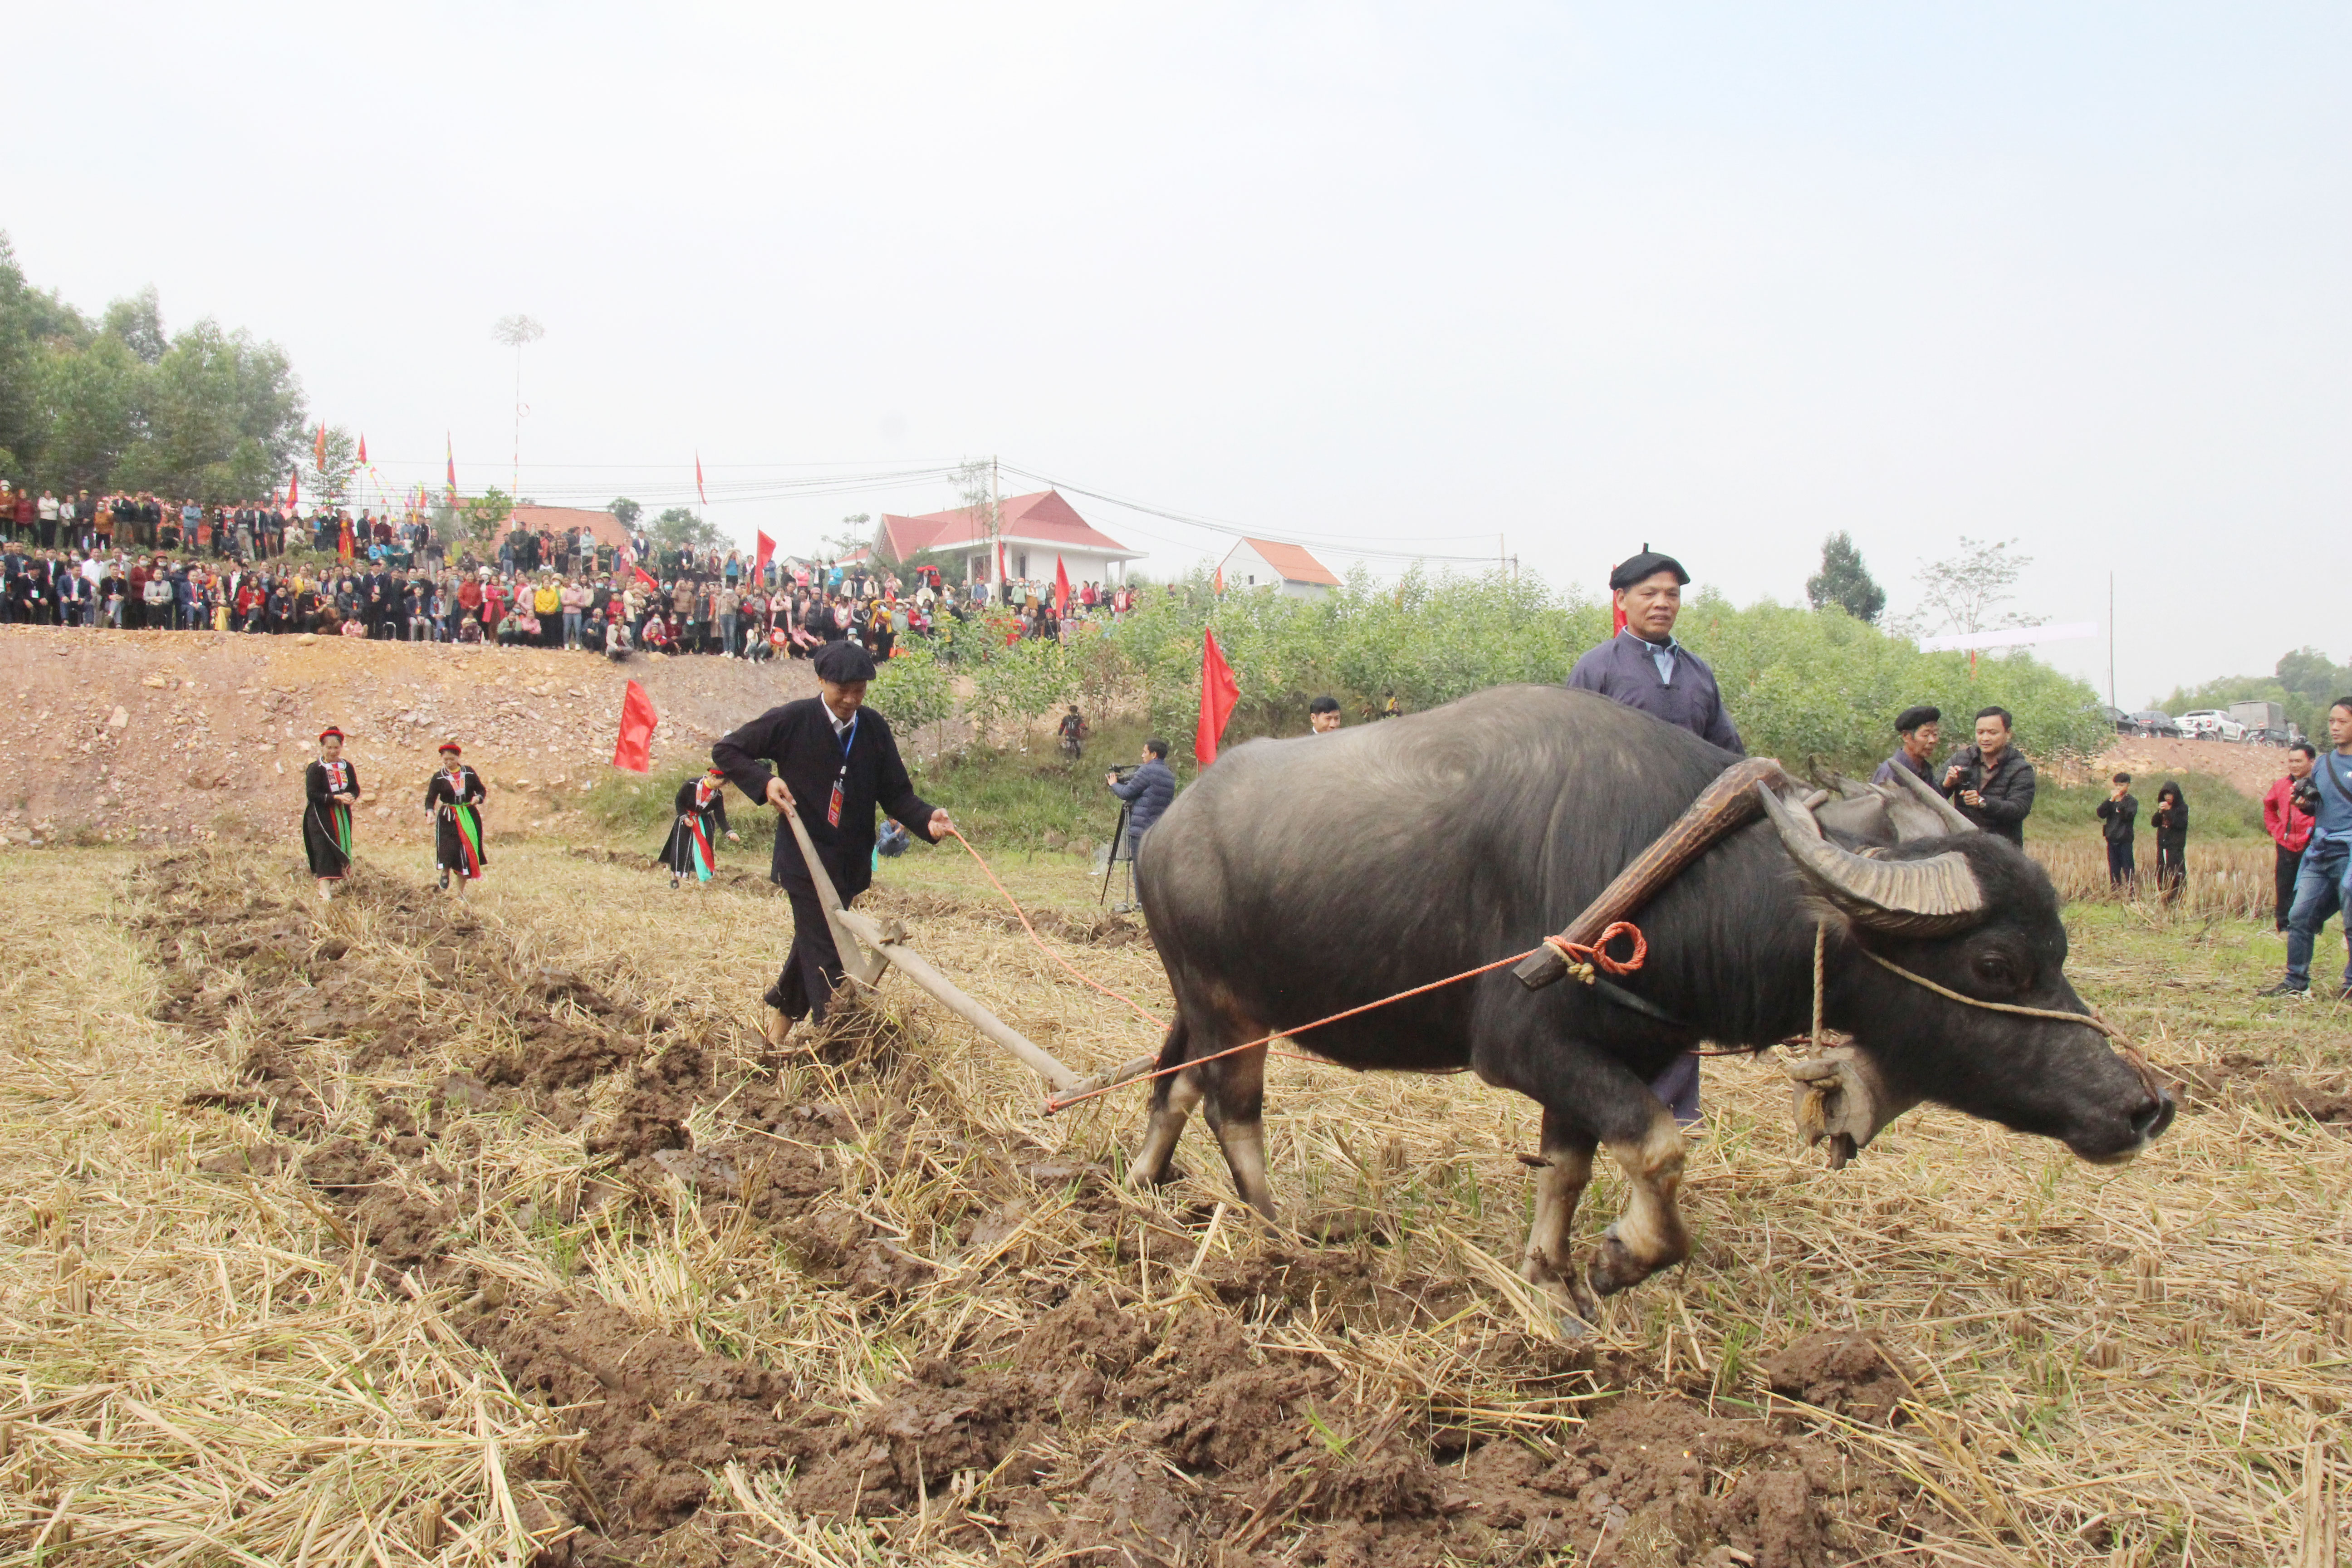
x=1964 y=593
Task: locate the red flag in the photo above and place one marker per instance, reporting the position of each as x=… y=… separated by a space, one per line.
x=645 y=580
x=1616 y=614
x=767 y=548
x=1002 y=574
x=1060 y=586
x=1219 y=693
x=634 y=750
x=452 y=449
x=697 y=479
x=1218 y=584
x=318 y=449
x=362 y=449
x=293 y=489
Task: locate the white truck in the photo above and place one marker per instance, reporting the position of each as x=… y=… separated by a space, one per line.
x=2264 y=722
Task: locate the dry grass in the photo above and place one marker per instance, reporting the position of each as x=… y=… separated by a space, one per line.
x=2140 y=1366
x=2229 y=879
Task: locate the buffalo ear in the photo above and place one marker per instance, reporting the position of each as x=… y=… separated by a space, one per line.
x=1934 y=897
x=1922 y=799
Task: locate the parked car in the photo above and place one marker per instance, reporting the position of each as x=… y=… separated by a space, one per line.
x=2211 y=724
x=2284 y=737
x=2154 y=721
x=2118 y=720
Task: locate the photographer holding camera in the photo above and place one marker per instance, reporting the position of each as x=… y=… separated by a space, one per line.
x=1989 y=782
x=2319 y=881
x=2287 y=810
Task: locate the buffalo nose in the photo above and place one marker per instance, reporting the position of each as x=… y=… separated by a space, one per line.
x=2151 y=1120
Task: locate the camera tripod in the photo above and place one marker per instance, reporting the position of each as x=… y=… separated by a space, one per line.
x=1119 y=843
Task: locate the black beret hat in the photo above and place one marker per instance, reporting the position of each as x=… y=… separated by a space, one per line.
x=1912 y=718
x=843 y=662
x=1647 y=564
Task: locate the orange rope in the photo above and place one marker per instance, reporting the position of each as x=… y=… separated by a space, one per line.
x=1582 y=959
x=1146 y=1014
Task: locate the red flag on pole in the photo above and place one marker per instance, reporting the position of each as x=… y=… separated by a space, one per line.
x=293 y=489
x=1060 y=586
x=698 y=479
x=634 y=750
x=1219 y=693
x=362 y=449
x=1002 y=577
x=646 y=581
x=452 y=449
x=1217 y=584
x=318 y=449
x=767 y=548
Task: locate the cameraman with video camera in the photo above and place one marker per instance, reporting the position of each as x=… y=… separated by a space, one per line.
x=2319 y=881
x=2287 y=811
x=1144 y=791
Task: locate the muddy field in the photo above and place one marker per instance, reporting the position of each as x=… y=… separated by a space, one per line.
x=400 y=1230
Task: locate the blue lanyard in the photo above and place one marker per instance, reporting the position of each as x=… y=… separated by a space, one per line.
x=849 y=741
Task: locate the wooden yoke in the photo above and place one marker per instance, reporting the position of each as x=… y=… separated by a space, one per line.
x=1727 y=803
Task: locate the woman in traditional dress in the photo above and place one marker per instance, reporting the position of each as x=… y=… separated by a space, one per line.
x=701 y=805
x=454 y=799
x=333 y=785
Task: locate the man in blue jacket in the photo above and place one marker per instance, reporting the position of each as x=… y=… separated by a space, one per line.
x=1643 y=666
x=1147 y=792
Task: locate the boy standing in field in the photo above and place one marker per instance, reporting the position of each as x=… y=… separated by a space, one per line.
x=2116 y=818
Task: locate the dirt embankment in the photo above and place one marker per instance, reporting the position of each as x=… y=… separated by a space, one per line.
x=180 y=736
x=2250 y=769
x=1071 y=1391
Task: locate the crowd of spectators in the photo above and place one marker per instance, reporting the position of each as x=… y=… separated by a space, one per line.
x=135 y=562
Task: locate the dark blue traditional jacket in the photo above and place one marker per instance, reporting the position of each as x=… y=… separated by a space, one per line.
x=1625 y=669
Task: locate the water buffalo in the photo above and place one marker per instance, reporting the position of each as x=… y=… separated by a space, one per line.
x=1299 y=877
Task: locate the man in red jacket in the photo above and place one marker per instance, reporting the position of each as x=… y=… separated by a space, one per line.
x=2288 y=823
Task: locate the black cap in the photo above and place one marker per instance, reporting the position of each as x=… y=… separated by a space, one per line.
x=1645 y=565
x=1912 y=717
x=843 y=662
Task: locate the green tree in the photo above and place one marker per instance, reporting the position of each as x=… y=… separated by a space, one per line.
x=223 y=418
x=625 y=511
x=682 y=529
x=329 y=485
x=1964 y=592
x=89 y=403
x=137 y=323
x=487 y=513
x=1844 y=582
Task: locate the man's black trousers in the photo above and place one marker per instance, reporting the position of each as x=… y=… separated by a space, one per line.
x=2120 y=869
x=2289 y=861
x=813 y=968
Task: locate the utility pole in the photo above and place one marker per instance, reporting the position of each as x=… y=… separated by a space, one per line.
x=2111 y=642
x=997 y=527
x=515 y=331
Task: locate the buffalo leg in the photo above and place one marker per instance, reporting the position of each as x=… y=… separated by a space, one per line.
x=1649 y=1235
x=1565 y=1168
x=1172 y=1099
x=1236 y=1107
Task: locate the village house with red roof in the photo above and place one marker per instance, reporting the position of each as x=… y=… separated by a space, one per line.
x=1033 y=531
x=1287 y=568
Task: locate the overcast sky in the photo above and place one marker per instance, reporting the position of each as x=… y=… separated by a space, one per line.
x=1719 y=279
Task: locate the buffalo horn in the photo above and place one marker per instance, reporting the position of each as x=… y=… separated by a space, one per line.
x=1954 y=822
x=1934 y=897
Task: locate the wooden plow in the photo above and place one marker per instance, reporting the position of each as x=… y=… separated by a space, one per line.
x=868 y=946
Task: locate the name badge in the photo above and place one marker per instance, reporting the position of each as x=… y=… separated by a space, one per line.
x=832 y=808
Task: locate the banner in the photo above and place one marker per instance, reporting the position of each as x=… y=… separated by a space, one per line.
x=1219 y=694
x=698 y=479
x=1060 y=586
x=635 y=751
x=767 y=550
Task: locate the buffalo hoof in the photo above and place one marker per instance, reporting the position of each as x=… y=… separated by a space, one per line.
x=777 y=1029
x=1616 y=1267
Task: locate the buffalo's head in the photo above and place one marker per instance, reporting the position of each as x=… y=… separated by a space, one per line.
x=1971 y=913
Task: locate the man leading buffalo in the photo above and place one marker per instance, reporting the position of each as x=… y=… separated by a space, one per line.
x=1643 y=666
x=833 y=760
